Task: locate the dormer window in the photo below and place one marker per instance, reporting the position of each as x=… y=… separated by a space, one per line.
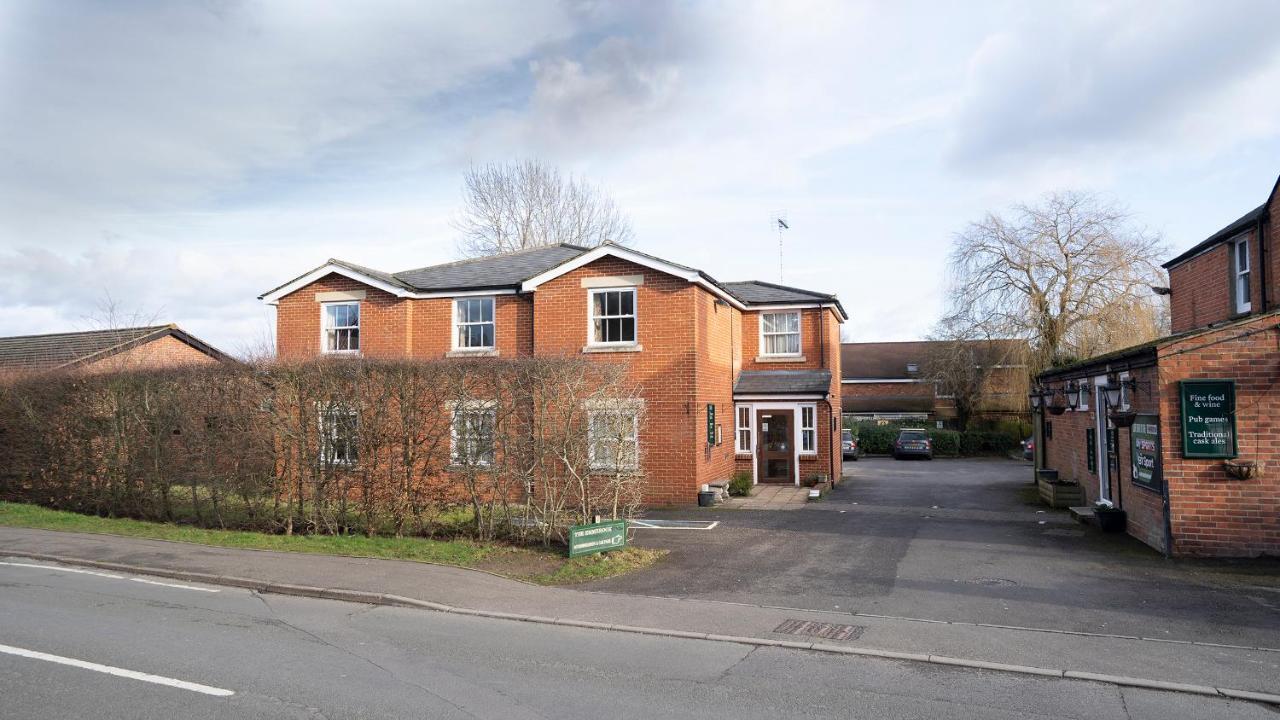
x=1240 y=274
x=913 y=368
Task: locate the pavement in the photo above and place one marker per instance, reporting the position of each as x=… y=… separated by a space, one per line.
x=770 y=497
x=1122 y=660
x=100 y=644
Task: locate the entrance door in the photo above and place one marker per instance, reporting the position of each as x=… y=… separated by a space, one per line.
x=775 y=452
x=1101 y=446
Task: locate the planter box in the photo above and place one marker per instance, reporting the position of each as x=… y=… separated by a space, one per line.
x=1058 y=495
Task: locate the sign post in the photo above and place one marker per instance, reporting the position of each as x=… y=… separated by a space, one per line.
x=1144 y=451
x=597 y=537
x=1208 y=418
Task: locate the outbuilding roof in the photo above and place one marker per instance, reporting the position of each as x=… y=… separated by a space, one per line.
x=890 y=360
x=57 y=350
x=783 y=382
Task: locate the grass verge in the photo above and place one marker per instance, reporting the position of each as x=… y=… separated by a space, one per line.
x=543 y=566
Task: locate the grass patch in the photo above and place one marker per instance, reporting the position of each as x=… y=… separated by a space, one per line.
x=544 y=566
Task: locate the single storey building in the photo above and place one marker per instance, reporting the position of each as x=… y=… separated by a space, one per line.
x=107 y=350
x=1182 y=434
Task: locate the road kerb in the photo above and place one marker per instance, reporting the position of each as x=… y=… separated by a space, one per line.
x=1141 y=682
x=387 y=599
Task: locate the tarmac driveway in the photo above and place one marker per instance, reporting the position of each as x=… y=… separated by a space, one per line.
x=958 y=540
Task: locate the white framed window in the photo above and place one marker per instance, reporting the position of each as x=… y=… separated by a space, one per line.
x=473 y=324
x=340 y=327
x=472 y=432
x=808 y=429
x=780 y=333
x=1086 y=389
x=743 y=429
x=1240 y=268
x=339 y=434
x=1124 y=391
x=611 y=316
x=613 y=438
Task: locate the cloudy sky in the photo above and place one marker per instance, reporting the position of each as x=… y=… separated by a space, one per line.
x=183 y=157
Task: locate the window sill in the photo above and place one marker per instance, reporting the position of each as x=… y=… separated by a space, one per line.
x=482 y=352
x=341 y=353
x=780 y=358
x=743 y=455
x=612 y=348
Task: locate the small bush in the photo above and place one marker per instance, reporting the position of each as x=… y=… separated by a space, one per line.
x=740 y=485
x=946 y=443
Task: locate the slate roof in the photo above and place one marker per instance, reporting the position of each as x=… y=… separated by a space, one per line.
x=1226 y=233
x=489 y=272
x=783 y=382
x=888 y=360
x=509 y=270
x=46 y=352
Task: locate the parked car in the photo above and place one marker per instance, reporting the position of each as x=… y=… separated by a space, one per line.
x=913 y=442
x=1029 y=449
x=849 y=446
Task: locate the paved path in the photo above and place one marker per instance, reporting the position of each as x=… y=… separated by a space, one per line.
x=770 y=497
x=956 y=540
x=1239 y=668
x=105 y=646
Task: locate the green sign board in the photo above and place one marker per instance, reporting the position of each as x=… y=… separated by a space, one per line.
x=1208 y=418
x=711 y=423
x=599 y=537
x=1144 y=451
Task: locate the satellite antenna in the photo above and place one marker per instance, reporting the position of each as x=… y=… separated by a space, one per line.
x=780 y=222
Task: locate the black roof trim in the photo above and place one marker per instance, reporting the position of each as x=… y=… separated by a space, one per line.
x=1226 y=233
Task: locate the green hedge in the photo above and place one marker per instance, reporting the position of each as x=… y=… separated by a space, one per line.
x=878 y=440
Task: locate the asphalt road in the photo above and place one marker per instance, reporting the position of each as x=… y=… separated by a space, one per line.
x=958 y=540
x=72 y=644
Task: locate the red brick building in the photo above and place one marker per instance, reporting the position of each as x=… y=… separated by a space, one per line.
x=896 y=380
x=1197 y=471
x=734 y=376
x=105 y=350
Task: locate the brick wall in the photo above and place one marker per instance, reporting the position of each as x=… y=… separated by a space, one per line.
x=1213 y=513
x=1066 y=453
x=166 y=351
x=814 y=341
x=1202 y=287
x=384 y=320
x=717 y=329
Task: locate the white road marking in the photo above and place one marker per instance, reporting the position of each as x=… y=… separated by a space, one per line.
x=673 y=524
x=173 y=585
x=118 y=672
x=64 y=569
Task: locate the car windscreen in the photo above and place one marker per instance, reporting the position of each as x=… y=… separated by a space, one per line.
x=846 y=435
x=913 y=436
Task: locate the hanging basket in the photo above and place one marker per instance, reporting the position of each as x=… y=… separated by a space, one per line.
x=1122 y=419
x=1243 y=469
x=1057 y=404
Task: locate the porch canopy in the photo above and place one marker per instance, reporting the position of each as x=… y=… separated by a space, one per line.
x=783 y=383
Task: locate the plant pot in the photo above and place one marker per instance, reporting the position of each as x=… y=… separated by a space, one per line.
x=1111 y=520
x=1122 y=419
x=1244 y=469
x=706 y=499
x=1056 y=409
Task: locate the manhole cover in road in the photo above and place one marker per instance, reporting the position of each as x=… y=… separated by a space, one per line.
x=992 y=582
x=826 y=631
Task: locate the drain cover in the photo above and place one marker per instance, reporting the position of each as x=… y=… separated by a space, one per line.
x=992 y=582
x=826 y=631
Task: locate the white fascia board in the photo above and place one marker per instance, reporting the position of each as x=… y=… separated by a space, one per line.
x=875 y=381
x=591 y=256
x=767 y=307
x=273 y=297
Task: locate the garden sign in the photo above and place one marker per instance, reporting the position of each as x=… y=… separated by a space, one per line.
x=597 y=537
x=1208 y=418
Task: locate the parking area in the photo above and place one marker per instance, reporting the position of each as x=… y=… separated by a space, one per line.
x=960 y=540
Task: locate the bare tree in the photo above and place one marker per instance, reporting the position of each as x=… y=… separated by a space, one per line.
x=527 y=204
x=1052 y=272
x=974 y=371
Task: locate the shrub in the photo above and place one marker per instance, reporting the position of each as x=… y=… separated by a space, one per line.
x=946 y=443
x=740 y=485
